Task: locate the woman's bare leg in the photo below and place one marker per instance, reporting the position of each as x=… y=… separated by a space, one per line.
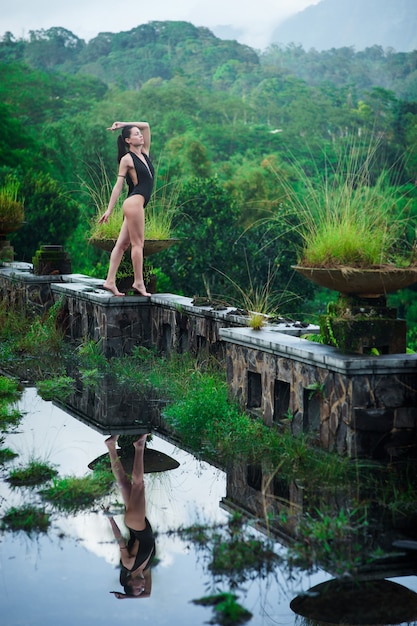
x=118 y=469
x=135 y=218
x=135 y=509
x=120 y=247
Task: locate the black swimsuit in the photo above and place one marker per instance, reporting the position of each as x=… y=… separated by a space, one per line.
x=146 y=550
x=145 y=176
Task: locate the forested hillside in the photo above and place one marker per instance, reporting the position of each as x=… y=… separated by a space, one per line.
x=168 y=50
x=224 y=123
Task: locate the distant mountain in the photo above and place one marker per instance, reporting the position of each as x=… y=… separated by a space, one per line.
x=358 y=23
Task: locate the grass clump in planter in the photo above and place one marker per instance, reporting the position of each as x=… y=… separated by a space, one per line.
x=98 y=191
x=11 y=205
x=260 y=302
x=28 y=518
x=354 y=224
x=35 y=473
x=350 y=214
x=163 y=209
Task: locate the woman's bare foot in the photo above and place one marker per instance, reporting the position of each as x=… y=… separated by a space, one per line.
x=112 y=288
x=140 y=442
x=111 y=441
x=141 y=290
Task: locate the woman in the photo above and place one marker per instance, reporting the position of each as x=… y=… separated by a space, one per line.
x=138 y=552
x=136 y=168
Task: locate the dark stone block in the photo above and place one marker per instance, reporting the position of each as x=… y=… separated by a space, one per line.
x=373 y=420
x=386 y=336
x=402 y=443
x=372 y=445
x=406 y=417
x=389 y=392
x=360 y=391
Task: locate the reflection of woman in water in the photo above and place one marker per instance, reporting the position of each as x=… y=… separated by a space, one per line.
x=137 y=554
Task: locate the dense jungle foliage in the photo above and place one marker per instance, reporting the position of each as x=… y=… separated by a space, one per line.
x=228 y=124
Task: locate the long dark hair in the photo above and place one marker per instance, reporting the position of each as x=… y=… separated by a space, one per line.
x=122 y=146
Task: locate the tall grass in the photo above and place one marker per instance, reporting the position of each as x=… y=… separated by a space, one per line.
x=11 y=206
x=345 y=217
x=261 y=301
x=160 y=213
x=163 y=208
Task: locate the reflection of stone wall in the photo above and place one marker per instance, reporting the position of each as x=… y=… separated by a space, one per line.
x=279 y=507
x=352 y=404
x=112 y=409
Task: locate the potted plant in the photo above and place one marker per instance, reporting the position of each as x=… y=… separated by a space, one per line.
x=353 y=229
x=355 y=240
x=11 y=214
x=124 y=276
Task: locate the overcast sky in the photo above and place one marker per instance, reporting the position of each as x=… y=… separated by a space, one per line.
x=255 y=19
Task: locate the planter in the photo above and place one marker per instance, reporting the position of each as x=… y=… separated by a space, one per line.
x=51 y=259
x=357 y=602
x=125 y=283
x=153 y=460
x=152 y=246
x=368 y=283
x=7 y=226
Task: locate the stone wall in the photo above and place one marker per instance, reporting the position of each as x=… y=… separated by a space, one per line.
x=23 y=291
x=169 y=322
x=353 y=404
x=179 y=326
x=94 y=314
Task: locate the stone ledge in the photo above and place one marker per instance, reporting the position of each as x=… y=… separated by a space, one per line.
x=87 y=292
x=327 y=357
x=183 y=303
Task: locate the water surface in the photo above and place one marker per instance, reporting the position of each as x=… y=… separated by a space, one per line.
x=66 y=576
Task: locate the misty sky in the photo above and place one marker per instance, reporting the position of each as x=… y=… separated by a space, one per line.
x=254 y=21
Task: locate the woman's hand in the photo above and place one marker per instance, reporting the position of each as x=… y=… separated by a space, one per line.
x=104 y=217
x=116 y=126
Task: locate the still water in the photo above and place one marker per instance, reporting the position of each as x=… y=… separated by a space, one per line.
x=67 y=575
